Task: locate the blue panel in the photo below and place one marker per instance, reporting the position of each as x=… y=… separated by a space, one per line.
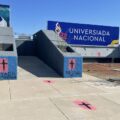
x=85 y=34
x=9 y=69
x=73 y=66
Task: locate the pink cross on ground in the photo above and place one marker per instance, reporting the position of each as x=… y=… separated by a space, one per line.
x=84 y=105
x=49 y=81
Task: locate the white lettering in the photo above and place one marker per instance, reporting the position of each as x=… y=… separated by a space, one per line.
x=89 y=32
x=89 y=38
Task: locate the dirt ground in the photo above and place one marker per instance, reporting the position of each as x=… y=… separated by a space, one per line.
x=108 y=71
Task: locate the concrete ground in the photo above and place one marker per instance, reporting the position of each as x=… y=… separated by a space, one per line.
x=32 y=97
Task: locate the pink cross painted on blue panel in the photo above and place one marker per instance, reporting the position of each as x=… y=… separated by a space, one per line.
x=3 y=65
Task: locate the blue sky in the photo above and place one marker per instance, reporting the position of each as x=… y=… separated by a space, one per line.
x=29 y=16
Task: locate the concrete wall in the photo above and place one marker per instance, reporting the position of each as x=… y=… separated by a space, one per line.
x=47 y=52
x=25 y=48
x=57 y=54
x=97 y=52
x=8 y=54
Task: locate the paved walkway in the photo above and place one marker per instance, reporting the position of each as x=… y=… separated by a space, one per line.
x=36 y=97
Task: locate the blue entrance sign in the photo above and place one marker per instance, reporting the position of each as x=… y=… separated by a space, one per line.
x=85 y=34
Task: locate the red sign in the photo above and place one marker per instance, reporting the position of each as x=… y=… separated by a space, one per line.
x=3 y=65
x=84 y=105
x=72 y=64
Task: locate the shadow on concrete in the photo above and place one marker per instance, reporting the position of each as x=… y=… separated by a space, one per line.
x=36 y=67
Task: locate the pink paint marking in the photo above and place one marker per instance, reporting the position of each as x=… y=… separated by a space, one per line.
x=99 y=54
x=49 y=81
x=3 y=65
x=84 y=105
x=63 y=35
x=72 y=64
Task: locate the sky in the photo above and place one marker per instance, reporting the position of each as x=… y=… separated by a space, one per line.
x=29 y=16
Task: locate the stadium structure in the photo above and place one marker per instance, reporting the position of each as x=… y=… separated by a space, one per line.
x=62 y=46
